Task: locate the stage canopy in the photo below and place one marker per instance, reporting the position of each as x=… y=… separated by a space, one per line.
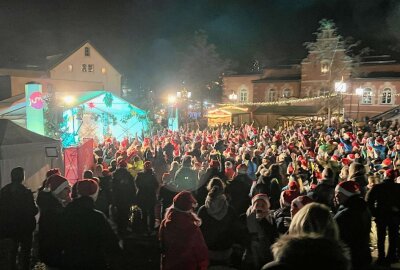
x=99 y=115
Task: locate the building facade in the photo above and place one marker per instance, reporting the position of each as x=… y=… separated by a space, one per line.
x=84 y=69
x=326 y=80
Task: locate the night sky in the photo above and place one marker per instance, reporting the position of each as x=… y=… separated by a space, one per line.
x=144 y=39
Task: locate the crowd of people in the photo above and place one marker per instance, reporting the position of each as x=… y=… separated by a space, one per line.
x=307 y=196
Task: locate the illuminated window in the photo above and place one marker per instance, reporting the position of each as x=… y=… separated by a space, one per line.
x=387 y=96
x=103 y=70
x=87 y=51
x=84 y=68
x=272 y=95
x=367 y=96
x=70 y=67
x=286 y=93
x=243 y=95
x=91 y=68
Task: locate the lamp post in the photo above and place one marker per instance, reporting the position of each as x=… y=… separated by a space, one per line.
x=359 y=93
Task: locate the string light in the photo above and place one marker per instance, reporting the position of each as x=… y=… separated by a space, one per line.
x=277 y=102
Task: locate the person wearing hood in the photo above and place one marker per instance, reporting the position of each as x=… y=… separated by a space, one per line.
x=51 y=201
x=357 y=173
x=185 y=177
x=182 y=243
x=88 y=240
x=262 y=233
x=219 y=223
x=354 y=221
x=212 y=171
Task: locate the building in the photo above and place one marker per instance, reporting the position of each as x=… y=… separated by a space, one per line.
x=83 y=69
x=326 y=82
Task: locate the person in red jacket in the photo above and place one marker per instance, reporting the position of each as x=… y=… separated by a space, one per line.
x=182 y=243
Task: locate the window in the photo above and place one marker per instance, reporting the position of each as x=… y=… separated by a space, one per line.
x=91 y=68
x=87 y=51
x=70 y=67
x=367 y=96
x=243 y=95
x=286 y=93
x=387 y=96
x=84 y=68
x=324 y=91
x=272 y=95
x=103 y=70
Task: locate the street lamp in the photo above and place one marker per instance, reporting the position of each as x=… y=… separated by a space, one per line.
x=359 y=93
x=233 y=97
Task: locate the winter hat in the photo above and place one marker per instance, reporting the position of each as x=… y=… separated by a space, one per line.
x=288 y=196
x=346 y=161
x=52 y=172
x=293 y=185
x=380 y=140
x=301 y=201
x=386 y=163
x=352 y=157
x=348 y=188
x=55 y=184
x=184 y=201
x=390 y=174
x=87 y=188
x=242 y=168
x=147 y=165
x=260 y=196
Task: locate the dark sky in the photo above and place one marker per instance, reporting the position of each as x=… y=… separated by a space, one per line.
x=144 y=38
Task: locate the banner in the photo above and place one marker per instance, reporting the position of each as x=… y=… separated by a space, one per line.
x=34 y=108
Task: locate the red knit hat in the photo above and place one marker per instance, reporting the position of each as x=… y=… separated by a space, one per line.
x=386 y=162
x=380 y=140
x=87 y=187
x=301 y=201
x=346 y=161
x=147 y=165
x=348 y=188
x=390 y=174
x=56 y=183
x=288 y=196
x=184 y=201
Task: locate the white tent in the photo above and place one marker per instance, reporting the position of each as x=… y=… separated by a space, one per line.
x=35 y=153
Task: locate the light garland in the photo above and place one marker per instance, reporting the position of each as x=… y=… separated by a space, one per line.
x=277 y=102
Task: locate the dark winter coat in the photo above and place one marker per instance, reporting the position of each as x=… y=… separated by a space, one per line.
x=218 y=234
x=186 y=179
x=238 y=191
x=50 y=232
x=123 y=187
x=17 y=212
x=89 y=242
x=147 y=186
x=104 y=199
x=384 y=200
x=201 y=192
x=354 y=222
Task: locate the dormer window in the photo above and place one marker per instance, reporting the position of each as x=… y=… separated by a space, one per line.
x=87 y=51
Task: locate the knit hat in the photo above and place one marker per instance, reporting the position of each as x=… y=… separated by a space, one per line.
x=346 y=161
x=301 y=201
x=184 y=201
x=147 y=165
x=260 y=196
x=386 y=162
x=390 y=174
x=288 y=196
x=242 y=168
x=88 y=188
x=348 y=188
x=55 y=184
x=52 y=172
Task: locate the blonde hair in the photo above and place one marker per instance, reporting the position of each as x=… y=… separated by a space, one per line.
x=314 y=218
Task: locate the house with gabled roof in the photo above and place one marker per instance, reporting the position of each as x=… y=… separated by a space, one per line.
x=83 y=69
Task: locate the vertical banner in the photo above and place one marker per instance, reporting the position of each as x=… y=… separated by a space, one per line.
x=34 y=108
